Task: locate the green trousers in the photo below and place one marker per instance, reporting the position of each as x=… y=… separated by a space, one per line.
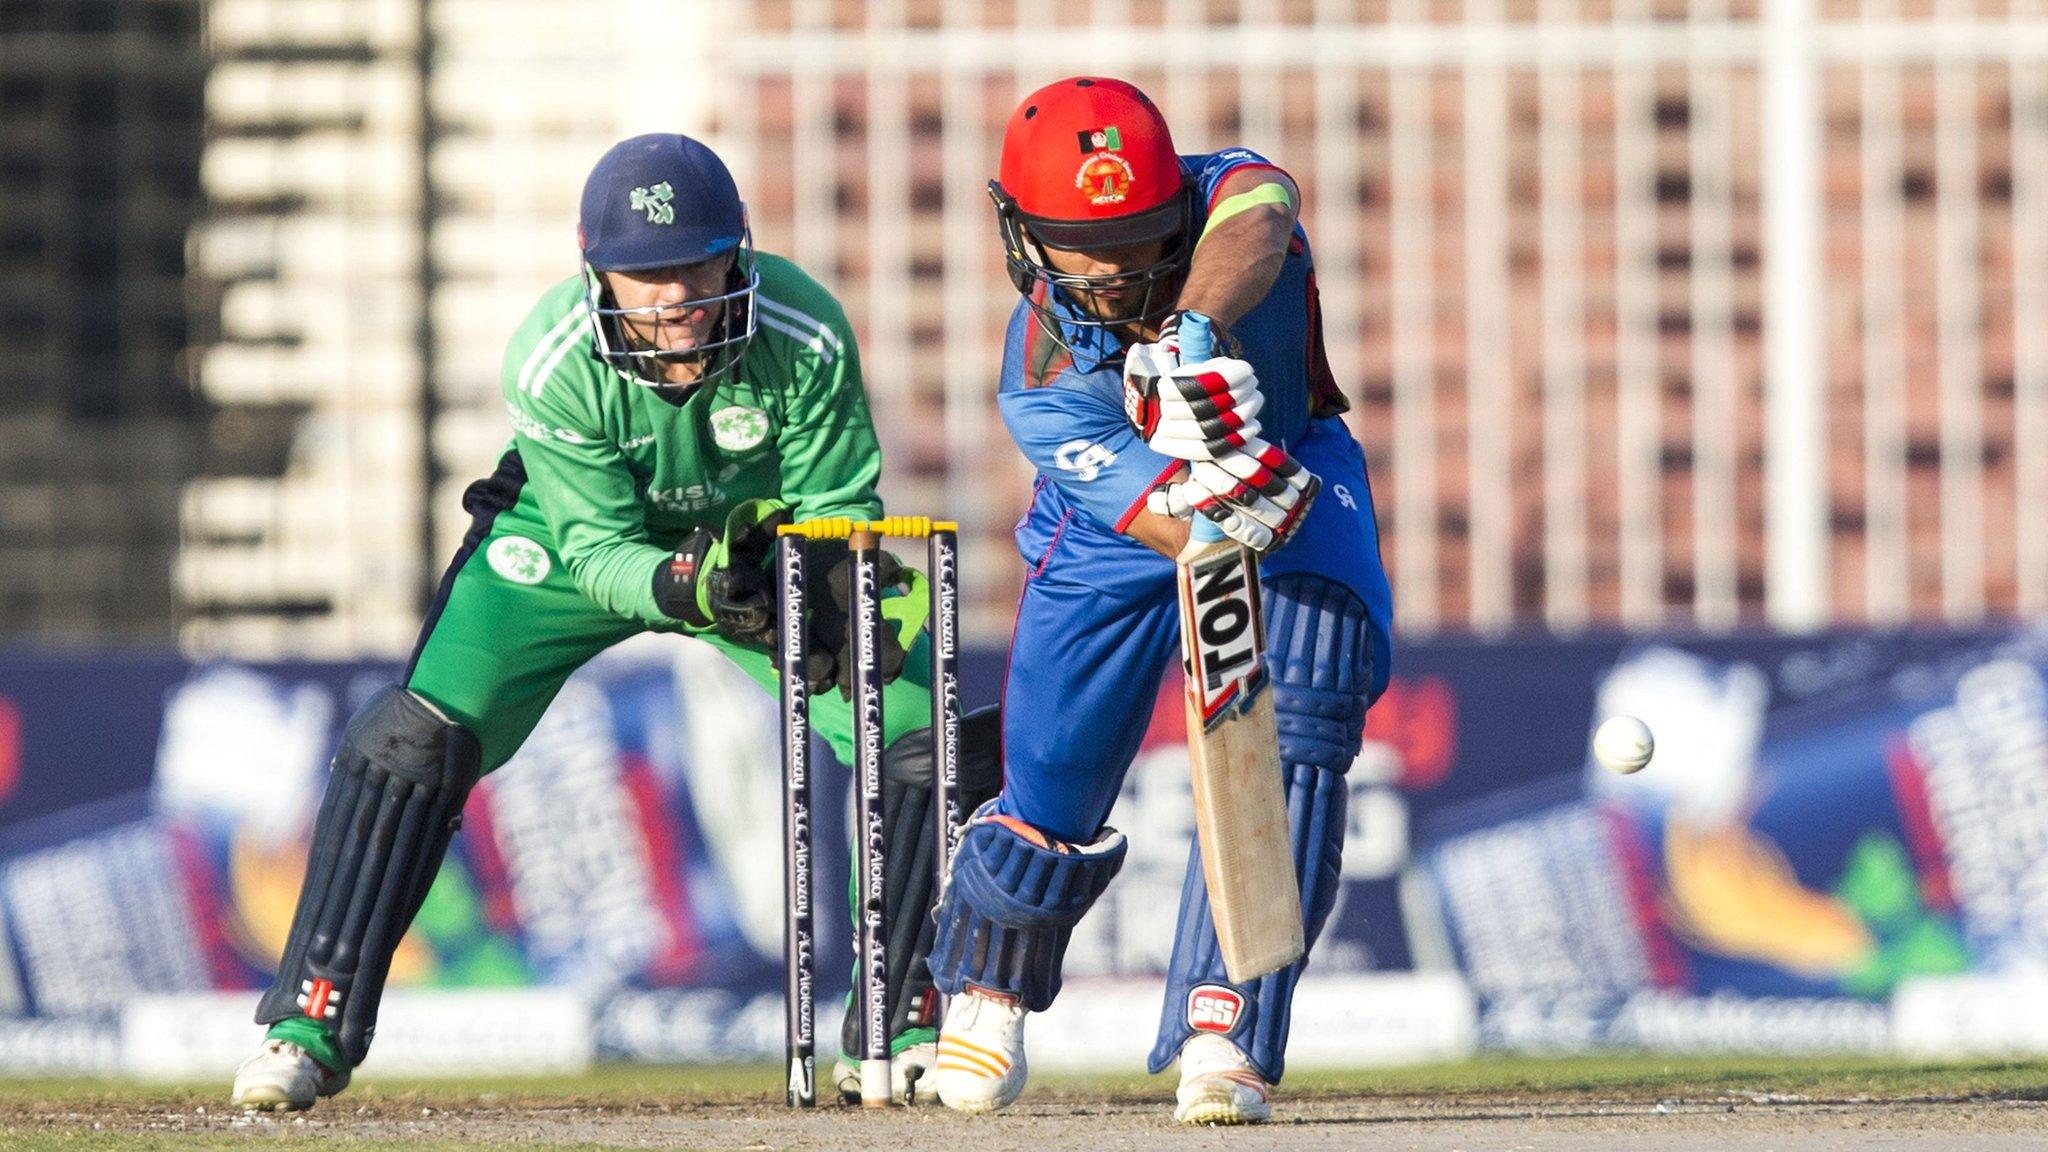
x=497 y=648
x=509 y=626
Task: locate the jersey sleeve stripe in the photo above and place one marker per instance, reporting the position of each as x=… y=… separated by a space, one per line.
x=1253 y=166
x=797 y=319
x=569 y=342
x=816 y=340
x=544 y=348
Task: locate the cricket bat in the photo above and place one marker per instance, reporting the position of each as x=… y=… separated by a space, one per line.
x=1240 y=806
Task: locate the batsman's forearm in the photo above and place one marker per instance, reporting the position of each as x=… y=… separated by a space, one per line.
x=1236 y=264
x=1165 y=535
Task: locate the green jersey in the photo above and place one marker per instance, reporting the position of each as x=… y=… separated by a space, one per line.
x=617 y=476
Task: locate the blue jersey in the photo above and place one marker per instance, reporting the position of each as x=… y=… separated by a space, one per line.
x=1099 y=620
x=1064 y=406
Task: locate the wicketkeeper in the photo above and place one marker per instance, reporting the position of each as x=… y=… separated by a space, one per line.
x=1166 y=360
x=671 y=404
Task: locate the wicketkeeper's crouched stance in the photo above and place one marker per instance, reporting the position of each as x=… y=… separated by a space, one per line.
x=1122 y=386
x=670 y=406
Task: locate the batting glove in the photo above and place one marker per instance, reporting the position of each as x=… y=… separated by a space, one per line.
x=1258 y=495
x=1195 y=336
x=1197 y=411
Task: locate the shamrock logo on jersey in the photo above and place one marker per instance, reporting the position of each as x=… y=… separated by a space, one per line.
x=518 y=559
x=655 y=202
x=738 y=429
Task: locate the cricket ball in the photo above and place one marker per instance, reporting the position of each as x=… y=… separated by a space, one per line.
x=1623 y=744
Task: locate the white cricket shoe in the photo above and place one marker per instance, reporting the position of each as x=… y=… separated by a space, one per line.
x=981 y=1052
x=281 y=1077
x=911 y=1079
x=1218 y=1085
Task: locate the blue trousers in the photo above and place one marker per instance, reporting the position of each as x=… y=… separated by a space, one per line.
x=1100 y=621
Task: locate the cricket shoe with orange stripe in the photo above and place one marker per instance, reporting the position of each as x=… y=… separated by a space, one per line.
x=1218 y=1085
x=981 y=1051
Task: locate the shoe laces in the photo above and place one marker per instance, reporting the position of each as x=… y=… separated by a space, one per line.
x=1000 y=1013
x=1210 y=1056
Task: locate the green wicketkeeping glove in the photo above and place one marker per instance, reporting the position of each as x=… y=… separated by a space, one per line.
x=724 y=581
x=830 y=595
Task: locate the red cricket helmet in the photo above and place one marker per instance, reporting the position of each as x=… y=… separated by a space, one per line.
x=1088 y=163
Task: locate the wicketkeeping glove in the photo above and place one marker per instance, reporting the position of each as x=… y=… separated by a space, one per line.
x=741 y=595
x=1258 y=496
x=679 y=584
x=829 y=595
x=724 y=581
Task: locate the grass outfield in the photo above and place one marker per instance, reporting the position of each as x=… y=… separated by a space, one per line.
x=1651 y=1078
x=1636 y=1078
x=739 y=1107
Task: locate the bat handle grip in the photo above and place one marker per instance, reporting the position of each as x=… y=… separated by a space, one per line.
x=1197 y=342
x=1197 y=337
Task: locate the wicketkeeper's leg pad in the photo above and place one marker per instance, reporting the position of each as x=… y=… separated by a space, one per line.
x=910 y=881
x=1010 y=905
x=1320 y=646
x=393 y=802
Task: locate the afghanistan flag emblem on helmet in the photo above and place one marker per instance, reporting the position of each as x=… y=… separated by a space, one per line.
x=1099 y=139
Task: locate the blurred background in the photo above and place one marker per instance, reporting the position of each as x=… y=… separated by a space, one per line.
x=1699 y=349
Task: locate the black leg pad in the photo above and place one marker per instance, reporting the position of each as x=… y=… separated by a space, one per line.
x=394 y=800
x=910 y=882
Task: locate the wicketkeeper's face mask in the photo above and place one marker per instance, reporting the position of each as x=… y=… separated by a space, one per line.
x=700 y=315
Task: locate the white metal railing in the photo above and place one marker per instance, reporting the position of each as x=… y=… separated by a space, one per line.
x=1958 y=284
x=2030 y=303
x=1549 y=237
x=1710 y=154
x=1637 y=300
x=1703 y=535
x=1562 y=244
x=1883 y=346
x=1489 y=406
x=1796 y=557
x=1411 y=236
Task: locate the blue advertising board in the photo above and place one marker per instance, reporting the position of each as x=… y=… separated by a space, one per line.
x=1826 y=817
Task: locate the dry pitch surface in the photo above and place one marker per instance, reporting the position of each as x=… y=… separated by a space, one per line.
x=1506 y=1105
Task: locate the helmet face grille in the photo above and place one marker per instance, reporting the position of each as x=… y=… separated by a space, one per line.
x=1073 y=309
x=1106 y=303
x=719 y=355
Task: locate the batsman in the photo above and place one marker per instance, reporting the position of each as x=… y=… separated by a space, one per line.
x=1166 y=361
x=671 y=405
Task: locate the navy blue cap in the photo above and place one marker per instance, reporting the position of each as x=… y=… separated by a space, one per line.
x=656 y=201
